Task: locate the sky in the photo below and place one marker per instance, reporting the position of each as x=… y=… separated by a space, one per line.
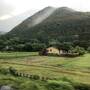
x=10 y=8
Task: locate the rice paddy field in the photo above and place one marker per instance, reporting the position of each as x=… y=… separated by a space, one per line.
x=77 y=69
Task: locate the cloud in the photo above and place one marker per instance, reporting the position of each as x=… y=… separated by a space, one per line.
x=5 y=8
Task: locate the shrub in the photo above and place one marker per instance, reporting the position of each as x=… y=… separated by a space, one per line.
x=53 y=54
x=36 y=77
x=12 y=71
x=4 y=71
x=29 y=86
x=88 y=49
x=59 y=85
x=43 y=52
x=79 y=50
x=67 y=79
x=80 y=86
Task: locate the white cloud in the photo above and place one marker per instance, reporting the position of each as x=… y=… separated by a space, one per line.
x=15 y=7
x=5 y=17
x=22 y=5
x=5 y=8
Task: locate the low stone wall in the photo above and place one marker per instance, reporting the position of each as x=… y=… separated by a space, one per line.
x=16 y=73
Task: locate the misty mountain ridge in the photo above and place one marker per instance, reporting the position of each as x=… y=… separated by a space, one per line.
x=42 y=15
x=8 y=24
x=2 y=32
x=37 y=17
x=63 y=24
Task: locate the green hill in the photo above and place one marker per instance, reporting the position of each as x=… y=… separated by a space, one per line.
x=63 y=24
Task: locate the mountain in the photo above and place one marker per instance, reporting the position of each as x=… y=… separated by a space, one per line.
x=8 y=24
x=63 y=24
x=2 y=32
x=35 y=19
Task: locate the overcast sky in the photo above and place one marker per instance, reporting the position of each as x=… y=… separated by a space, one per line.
x=10 y=8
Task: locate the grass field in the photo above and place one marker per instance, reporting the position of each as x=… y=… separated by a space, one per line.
x=77 y=69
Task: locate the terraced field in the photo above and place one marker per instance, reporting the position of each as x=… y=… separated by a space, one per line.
x=77 y=69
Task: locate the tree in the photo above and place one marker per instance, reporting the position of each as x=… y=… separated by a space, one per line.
x=19 y=47
x=88 y=49
x=64 y=46
x=79 y=50
x=1 y=44
x=28 y=47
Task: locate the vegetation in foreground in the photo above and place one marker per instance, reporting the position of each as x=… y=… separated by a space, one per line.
x=69 y=73
x=19 y=83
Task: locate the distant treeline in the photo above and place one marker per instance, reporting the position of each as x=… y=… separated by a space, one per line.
x=31 y=45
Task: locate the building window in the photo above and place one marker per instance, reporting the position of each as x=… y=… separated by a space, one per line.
x=50 y=50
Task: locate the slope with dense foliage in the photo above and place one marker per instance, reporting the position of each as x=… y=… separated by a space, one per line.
x=62 y=23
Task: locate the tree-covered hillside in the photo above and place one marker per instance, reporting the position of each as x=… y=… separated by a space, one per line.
x=62 y=24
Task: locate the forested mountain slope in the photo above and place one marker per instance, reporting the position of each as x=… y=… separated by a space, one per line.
x=63 y=24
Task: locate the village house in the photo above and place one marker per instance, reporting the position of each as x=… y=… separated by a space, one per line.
x=61 y=52
x=56 y=51
x=53 y=50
